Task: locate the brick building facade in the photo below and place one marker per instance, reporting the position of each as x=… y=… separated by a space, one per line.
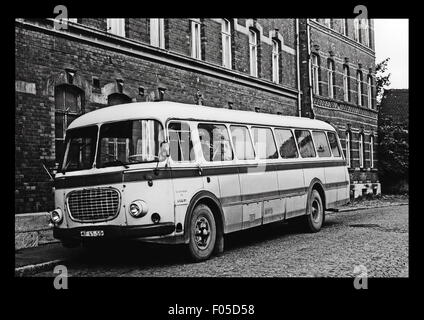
x=338 y=84
x=92 y=63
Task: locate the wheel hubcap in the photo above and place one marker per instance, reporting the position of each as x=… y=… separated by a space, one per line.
x=316 y=210
x=202 y=233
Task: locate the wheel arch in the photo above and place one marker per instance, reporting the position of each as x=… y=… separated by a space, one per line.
x=209 y=199
x=316 y=184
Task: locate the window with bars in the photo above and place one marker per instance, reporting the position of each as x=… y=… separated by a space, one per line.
x=346 y=83
x=330 y=78
x=196 y=48
x=226 y=43
x=116 y=26
x=157 y=33
x=275 y=61
x=369 y=92
x=361 y=150
x=347 y=151
x=315 y=74
x=68 y=106
x=359 y=86
x=371 y=151
x=253 y=52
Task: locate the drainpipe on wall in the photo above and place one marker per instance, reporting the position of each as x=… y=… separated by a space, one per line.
x=299 y=105
x=308 y=40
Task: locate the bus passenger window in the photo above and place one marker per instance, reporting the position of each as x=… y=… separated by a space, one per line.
x=215 y=142
x=321 y=144
x=242 y=143
x=180 y=143
x=286 y=143
x=264 y=143
x=304 y=141
x=333 y=144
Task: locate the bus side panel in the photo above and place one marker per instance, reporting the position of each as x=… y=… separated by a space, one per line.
x=292 y=189
x=231 y=201
x=333 y=175
x=257 y=185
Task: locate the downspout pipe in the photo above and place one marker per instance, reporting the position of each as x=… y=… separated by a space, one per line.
x=308 y=40
x=299 y=94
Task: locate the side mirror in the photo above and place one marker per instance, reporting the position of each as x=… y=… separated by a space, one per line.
x=165 y=149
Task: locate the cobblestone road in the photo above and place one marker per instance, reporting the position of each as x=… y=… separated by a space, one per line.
x=375 y=238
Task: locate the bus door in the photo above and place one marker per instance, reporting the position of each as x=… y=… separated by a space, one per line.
x=220 y=172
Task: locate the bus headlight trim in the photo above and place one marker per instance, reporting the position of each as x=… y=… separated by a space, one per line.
x=138 y=208
x=56 y=216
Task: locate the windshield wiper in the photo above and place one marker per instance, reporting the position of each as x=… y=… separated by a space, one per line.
x=117 y=161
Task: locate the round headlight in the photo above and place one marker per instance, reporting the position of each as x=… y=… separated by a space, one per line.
x=56 y=216
x=138 y=208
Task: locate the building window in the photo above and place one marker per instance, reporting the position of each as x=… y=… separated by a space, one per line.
x=346 y=83
x=116 y=26
x=365 y=27
x=315 y=74
x=347 y=151
x=157 y=33
x=226 y=43
x=69 y=102
x=327 y=22
x=361 y=150
x=343 y=26
x=253 y=52
x=369 y=92
x=359 y=86
x=330 y=78
x=275 y=61
x=356 y=31
x=372 y=151
x=196 y=51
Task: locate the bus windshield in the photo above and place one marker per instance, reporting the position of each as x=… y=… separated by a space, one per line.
x=129 y=142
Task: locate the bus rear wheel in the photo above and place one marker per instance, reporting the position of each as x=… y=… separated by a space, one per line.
x=202 y=233
x=315 y=215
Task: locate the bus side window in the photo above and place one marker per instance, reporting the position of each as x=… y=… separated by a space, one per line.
x=242 y=143
x=215 y=142
x=304 y=141
x=264 y=143
x=333 y=144
x=180 y=143
x=286 y=143
x=321 y=144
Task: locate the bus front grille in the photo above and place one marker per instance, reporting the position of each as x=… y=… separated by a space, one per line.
x=97 y=204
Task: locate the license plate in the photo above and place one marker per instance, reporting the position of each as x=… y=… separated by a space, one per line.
x=92 y=233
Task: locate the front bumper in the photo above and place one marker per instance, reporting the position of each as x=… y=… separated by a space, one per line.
x=115 y=232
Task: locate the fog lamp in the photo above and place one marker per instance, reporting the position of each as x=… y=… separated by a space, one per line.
x=155 y=217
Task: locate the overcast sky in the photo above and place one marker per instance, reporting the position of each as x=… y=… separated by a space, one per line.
x=391 y=40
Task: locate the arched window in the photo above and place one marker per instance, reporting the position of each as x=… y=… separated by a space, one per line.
x=315 y=74
x=356 y=30
x=116 y=26
x=361 y=150
x=69 y=104
x=330 y=78
x=346 y=85
x=157 y=33
x=253 y=52
x=226 y=43
x=196 y=49
x=275 y=61
x=359 y=86
x=371 y=151
x=366 y=28
x=347 y=150
x=369 y=91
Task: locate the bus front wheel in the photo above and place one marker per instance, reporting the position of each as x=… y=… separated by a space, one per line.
x=315 y=216
x=202 y=233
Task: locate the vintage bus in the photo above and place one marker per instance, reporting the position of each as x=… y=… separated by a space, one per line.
x=169 y=172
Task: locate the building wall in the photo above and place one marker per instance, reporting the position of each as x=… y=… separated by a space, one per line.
x=328 y=42
x=98 y=61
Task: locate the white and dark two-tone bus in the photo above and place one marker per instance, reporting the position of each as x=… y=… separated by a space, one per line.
x=178 y=173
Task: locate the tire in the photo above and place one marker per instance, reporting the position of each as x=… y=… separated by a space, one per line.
x=315 y=215
x=202 y=235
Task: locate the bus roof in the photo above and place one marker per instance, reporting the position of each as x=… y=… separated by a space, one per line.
x=165 y=110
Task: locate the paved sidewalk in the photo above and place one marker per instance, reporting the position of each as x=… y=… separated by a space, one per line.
x=33 y=260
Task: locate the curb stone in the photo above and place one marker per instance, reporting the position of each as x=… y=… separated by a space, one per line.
x=35 y=268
